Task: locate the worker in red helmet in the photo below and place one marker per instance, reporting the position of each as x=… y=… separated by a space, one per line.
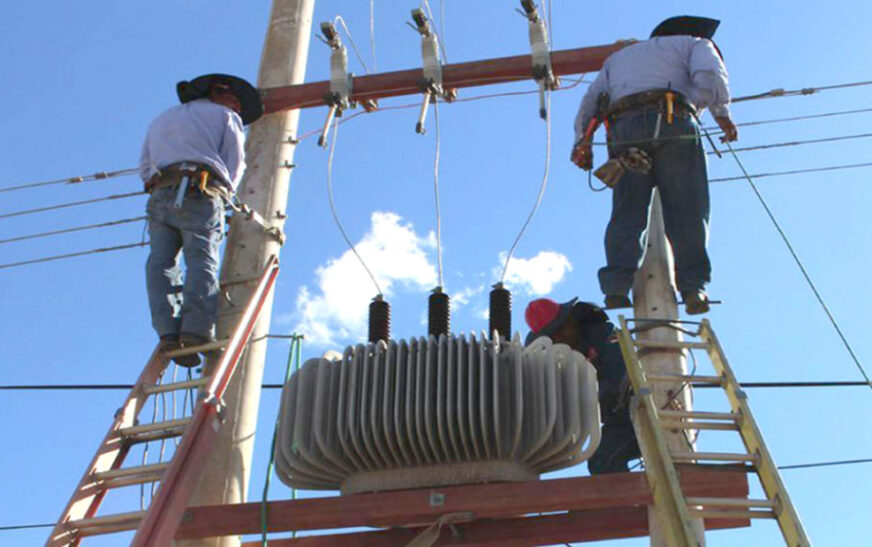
x=586 y=329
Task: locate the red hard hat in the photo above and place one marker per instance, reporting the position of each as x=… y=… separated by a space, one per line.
x=545 y=314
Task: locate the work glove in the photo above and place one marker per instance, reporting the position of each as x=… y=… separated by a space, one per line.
x=633 y=159
x=582 y=155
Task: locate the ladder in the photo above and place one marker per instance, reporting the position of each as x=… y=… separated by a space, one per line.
x=178 y=477
x=675 y=509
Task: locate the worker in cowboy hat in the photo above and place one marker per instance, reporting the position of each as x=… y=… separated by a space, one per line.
x=650 y=94
x=192 y=160
x=586 y=329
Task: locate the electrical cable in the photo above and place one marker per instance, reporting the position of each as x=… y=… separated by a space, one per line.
x=800 y=264
x=73 y=180
x=74 y=229
x=70 y=204
x=824 y=464
x=795 y=172
x=341 y=21
x=333 y=207
x=804 y=91
x=541 y=187
x=372 y=35
x=436 y=193
x=797 y=143
x=73 y=255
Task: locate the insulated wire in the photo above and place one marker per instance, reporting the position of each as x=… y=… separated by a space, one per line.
x=73 y=255
x=75 y=229
x=797 y=143
x=72 y=180
x=70 y=204
x=795 y=172
x=333 y=207
x=805 y=91
x=541 y=187
x=801 y=266
x=436 y=192
x=341 y=21
x=372 y=34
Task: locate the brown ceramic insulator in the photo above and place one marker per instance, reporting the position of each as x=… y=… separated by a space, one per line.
x=500 y=315
x=438 y=313
x=379 y=320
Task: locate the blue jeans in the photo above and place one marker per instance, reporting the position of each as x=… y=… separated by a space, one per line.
x=680 y=174
x=186 y=303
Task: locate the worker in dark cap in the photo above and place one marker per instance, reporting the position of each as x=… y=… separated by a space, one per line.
x=586 y=328
x=649 y=94
x=192 y=160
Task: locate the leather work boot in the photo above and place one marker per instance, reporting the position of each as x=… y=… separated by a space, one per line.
x=614 y=301
x=169 y=342
x=188 y=340
x=695 y=302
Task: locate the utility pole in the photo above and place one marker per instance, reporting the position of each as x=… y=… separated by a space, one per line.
x=654 y=298
x=269 y=155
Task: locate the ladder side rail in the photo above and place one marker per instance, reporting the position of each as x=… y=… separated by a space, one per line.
x=787 y=516
x=110 y=455
x=659 y=469
x=166 y=510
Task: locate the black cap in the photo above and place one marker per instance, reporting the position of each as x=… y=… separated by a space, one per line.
x=249 y=97
x=687 y=25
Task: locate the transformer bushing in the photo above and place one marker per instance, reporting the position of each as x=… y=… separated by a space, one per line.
x=379 y=320
x=438 y=313
x=500 y=314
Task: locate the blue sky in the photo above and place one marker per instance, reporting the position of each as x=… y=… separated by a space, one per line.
x=82 y=82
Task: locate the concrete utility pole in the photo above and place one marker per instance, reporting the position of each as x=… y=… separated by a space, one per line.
x=654 y=298
x=269 y=153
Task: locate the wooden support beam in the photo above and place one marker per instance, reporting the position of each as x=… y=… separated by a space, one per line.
x=486 y=501
x=575 y=526
x=454 y=76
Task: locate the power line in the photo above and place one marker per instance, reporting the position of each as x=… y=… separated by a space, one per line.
x=797 y=143
x=75 y=229
x=73 y=255
x=799 y=263
x=70 y=204
x=824 y=464
x=780 y=92
x=795 y=172
x=73 y=180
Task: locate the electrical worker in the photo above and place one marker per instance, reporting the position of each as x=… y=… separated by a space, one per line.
x=192 y=160
x=586 y=329
x=648 y=94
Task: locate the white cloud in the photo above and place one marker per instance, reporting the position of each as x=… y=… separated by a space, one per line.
x=463 y=296
x=337 y=311
x=535 y=276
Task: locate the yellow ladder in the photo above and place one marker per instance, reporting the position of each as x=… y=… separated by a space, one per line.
x=675 y=508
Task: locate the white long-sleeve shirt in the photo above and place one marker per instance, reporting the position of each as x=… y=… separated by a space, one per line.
x=199 y=131
x=686 y=64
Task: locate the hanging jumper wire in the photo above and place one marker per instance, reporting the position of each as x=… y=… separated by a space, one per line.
x=799 y=263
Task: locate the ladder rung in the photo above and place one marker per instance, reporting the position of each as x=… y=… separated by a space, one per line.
x=162 y=388
x=684 y=378
x=707 y=514
x=691 y=414
x=712 y=456
x=117 y=478
x=687 y=424
x=669 y=344
x=159 y=430
x=218 y=344
x=107 y=524
x=730 y=502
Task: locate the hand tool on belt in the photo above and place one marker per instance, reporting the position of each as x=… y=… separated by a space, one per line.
x=191 y=178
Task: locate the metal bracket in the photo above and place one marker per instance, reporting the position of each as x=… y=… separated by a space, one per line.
x=541 y=53
x=431 y=82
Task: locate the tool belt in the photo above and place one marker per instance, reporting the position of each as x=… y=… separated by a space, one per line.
x=654 y=99
x=201 y=179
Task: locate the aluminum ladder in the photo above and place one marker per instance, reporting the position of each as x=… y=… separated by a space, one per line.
x=675 y=508
x=178 y=477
